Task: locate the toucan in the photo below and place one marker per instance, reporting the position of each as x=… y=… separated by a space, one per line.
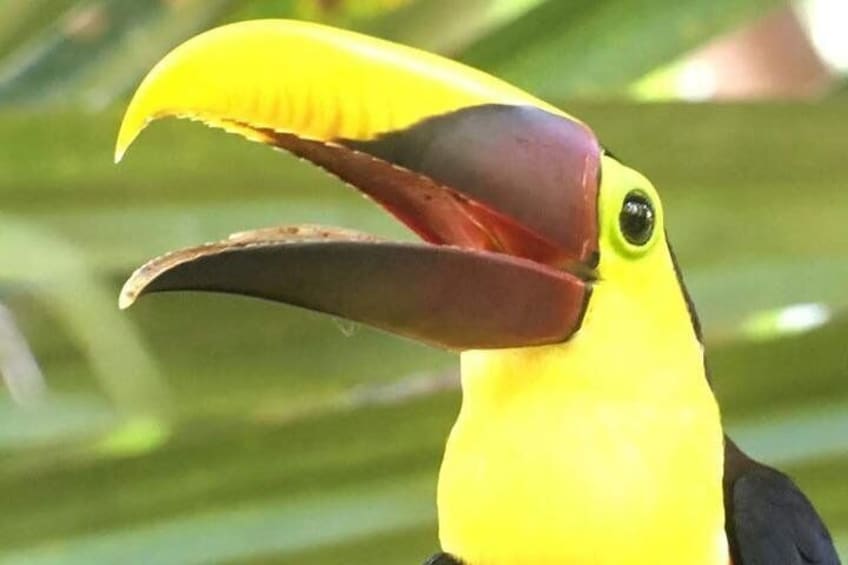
x=588 y=431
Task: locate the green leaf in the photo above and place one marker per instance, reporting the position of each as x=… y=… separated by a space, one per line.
x=585 y=48
x=53 y=270
x=23 y=19
x=98 y=50
x=445 y=26
x=361 y=472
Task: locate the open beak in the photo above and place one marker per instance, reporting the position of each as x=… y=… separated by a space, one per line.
x=501 y=187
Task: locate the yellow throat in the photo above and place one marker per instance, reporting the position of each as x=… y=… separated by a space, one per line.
x=606 y=449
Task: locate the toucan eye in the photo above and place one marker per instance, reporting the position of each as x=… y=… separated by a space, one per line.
x=637 y=218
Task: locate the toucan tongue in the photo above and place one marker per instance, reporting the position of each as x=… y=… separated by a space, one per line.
x=445 y=296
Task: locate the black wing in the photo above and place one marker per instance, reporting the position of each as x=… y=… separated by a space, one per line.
x=768 y=519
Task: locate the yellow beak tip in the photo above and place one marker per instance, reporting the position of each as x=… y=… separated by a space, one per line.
x=126 y=135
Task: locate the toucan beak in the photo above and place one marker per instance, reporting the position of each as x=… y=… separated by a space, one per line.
x=501 y=187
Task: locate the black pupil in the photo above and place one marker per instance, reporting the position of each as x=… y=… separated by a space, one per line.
x=637 y=218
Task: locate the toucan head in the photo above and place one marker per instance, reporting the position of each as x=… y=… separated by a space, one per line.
x=525 y=219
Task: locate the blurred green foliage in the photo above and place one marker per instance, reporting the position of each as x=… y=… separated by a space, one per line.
x=196 y=428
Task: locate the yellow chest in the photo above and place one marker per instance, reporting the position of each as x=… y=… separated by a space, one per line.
x=567 y=454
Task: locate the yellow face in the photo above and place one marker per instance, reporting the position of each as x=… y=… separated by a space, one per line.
x=613 y=435
x=637 y=304
x=638 y=290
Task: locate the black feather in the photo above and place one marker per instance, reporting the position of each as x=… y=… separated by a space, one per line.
x=768 y=519
x=443 y=559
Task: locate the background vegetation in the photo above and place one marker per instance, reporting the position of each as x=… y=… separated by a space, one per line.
x=199 y=428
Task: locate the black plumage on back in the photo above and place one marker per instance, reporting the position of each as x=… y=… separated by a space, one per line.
x=768 y=519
